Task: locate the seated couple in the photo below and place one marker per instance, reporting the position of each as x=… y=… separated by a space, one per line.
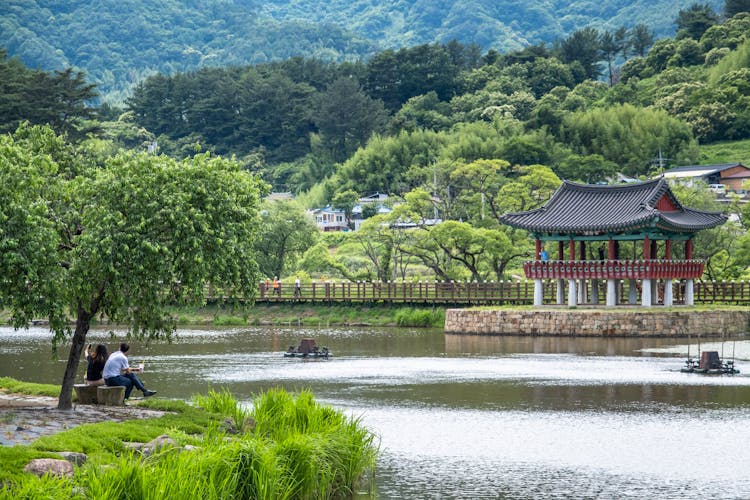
x=113 y=370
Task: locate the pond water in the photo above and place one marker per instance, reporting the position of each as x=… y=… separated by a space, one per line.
x=479 y=417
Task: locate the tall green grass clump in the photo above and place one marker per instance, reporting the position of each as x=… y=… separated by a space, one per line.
x=420 y=317
x=223 y=403
x=327 y=452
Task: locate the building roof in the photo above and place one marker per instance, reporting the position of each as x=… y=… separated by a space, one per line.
x=699 y=170
x=596 y=209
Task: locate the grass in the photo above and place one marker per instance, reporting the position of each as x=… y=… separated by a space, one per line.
x=725 y=152
x=8 y=384
x=309 y=315
x=297 y=448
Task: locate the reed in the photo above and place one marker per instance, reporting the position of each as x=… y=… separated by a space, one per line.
x=325 y=450
x=223 y=403
x=420 y=317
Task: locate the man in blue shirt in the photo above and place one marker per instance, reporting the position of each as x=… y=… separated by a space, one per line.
x=117 y=372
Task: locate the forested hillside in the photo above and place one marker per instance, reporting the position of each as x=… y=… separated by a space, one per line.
x=449 y=131
x=118 y=43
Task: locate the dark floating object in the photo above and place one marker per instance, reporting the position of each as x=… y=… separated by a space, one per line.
x=307 y=349
x=709 y=364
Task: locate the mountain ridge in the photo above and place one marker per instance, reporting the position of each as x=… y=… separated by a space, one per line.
x=119 y=43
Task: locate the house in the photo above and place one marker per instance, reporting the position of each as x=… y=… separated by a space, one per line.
x=357 y=212
x=330 y=219
x=378 y=198
x=731 y=175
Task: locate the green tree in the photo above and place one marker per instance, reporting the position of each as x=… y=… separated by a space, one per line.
x=583 y=47
x=478 y=183
x=627 y=135
x=641 y=38
x=346 y=200
x=286 y=232
x=60 y=99
x=610 y=47
x=346 y=117
x=122 y=240
x=376 y=237
x=695 y=20
x=734 y=7
x=588 y=169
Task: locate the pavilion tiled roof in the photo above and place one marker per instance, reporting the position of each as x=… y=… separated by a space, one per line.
x=595 y=209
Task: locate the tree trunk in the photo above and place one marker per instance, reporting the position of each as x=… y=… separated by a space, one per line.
x=83 y=323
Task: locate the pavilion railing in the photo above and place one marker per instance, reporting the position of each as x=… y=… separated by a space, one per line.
x=614 y=269
x=467 y=293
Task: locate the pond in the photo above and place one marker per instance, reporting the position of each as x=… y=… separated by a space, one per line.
x=479 y=417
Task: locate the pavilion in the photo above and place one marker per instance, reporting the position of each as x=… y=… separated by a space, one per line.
x=613 y=233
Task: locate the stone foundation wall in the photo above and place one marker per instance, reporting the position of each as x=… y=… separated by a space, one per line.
x=597 y=323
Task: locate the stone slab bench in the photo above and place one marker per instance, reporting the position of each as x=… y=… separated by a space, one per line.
x=100 y=394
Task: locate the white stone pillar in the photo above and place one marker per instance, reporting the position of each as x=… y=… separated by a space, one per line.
x=632 y=292
x=538 y=292
x=611 y=293
x=572 y=293
x=582 y=292
x=668 y=299
x=646 y=293
x=594 y=291
x=689 y=297
x=560 y=292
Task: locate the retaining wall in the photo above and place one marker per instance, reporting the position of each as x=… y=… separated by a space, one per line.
x=594 y=323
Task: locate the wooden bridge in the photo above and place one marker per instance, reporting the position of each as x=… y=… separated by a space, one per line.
x=463 y=293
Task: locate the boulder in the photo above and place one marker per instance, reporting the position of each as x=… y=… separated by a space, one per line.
x=53 y=466
x=110 y=396
x=85 y=394
x=157 y=444
x=74 y=457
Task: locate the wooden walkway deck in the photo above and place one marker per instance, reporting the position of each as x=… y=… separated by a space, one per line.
x=514 y=292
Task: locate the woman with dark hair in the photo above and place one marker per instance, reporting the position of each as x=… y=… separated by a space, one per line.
x=96 y=360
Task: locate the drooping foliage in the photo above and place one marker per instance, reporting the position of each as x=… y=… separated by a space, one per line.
x=122 y=237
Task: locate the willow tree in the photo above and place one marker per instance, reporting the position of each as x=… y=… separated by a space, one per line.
x=124 y=238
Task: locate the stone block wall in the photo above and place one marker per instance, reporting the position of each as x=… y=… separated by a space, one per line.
x=596 y=323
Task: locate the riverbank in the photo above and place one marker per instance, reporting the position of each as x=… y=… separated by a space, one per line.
x=285 y=446
x=315 y=315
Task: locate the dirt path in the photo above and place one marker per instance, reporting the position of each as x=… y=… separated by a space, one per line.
x=24 y=418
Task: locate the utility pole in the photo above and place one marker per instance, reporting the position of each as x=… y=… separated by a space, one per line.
x=660 y=161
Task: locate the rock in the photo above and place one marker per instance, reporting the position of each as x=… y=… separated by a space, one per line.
x=74 y=457
x=85 y=394
x=134 y=446
x=110 y=395
x=228 y=425
x=55 y=467
x=157 y=444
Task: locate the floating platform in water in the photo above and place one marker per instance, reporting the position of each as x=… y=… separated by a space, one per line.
x=710 y=364
x=307 y=349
